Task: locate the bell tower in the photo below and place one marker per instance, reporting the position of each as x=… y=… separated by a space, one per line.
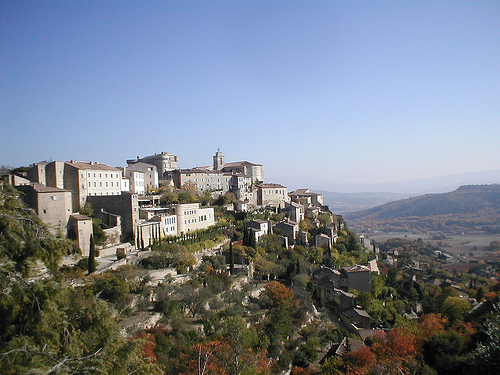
x=219 y=160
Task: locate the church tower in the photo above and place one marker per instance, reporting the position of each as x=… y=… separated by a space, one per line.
x=219 y=160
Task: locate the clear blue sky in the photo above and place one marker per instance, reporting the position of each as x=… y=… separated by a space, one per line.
x=339 y=91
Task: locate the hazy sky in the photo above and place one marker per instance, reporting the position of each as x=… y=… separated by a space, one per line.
x=340 y=91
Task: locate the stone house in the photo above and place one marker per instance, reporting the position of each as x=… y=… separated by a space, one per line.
x=258 y=228
x=150 y=174
x=52 y=205
x=323 y=240
x=294 y=211
x=125 y=205
x=80 y=229
x=289 y=229
x=355 y=277
x=136 y=181
x=164 y=162
x=307 y=198
x=81 y=178
x=191 y=217
x=356 y=317
x=272 y=195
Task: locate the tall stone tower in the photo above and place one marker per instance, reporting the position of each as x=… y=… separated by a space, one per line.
x=219 y=160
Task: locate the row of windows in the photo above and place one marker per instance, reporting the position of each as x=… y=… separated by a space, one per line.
x=170 y=220
x=107 y=193
x=190 y=212
x=111 y=175
x=275 y=192
x=101 y=185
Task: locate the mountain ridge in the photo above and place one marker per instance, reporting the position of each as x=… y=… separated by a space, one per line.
x=470 y=207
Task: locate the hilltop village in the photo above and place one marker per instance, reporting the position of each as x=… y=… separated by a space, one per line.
x=128 y=200
x=154 y=269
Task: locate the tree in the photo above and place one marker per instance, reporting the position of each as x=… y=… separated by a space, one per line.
x=204 y=359
x=359 y=361
x=231 y=258
x=47 y=325
x=325 y=219
x=87 y=210
x=485 y=358
x=110 y=286
x=455 y=308
x=91 y=260
x=23 y=237
x=444 y=352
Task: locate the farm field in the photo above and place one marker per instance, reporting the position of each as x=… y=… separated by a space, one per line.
x=472 y=246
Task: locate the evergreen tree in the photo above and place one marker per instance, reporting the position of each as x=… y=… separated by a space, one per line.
x=231 y=258
x=91 y=262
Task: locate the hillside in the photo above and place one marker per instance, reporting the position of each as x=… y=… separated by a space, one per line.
x=469 y=208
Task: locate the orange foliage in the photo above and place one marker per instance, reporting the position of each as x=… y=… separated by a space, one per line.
x=149 y=346
x=490 y=295
x=281 y=295
x=430 y=325
x=465 y=329
x=300 y=371
x=205 y=361
x=359 y=361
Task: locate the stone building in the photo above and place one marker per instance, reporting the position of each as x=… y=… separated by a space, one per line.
x=80 y=229
x=52 y=205
x=222 y=177
x=323 y=240
x=163 y=161
x=355 y=277
x=257 y=228
x=348 y=278
x=191 y=217
x=81 y=178
x=294 y=211
x=288 y=229
x=203 y=179
x=136 y=181
x=125 y=205
x=172 y=220
x=272 y=195
x=307 y=198
x=244 y=168
x=150 y=174
x=156 y=227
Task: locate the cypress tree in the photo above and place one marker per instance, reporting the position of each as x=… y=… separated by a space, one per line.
x=231 y=258
x=91 y=261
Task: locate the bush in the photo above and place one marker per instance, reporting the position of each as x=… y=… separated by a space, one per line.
x=157 y=260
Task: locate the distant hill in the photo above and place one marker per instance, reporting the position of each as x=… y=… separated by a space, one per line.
x=437 y=184
x=342 y=203
x=469 y=208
